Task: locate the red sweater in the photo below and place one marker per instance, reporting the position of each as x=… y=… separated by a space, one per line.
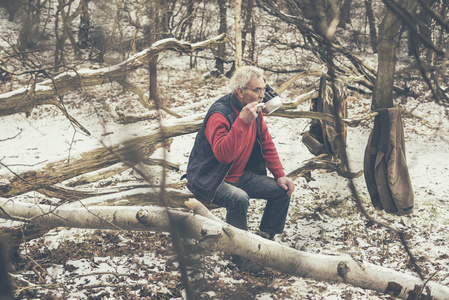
x=236 y=143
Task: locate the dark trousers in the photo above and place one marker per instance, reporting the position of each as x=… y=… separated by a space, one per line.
x=235 y=198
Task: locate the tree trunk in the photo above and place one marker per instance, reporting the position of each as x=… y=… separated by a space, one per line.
x=248 y=26
x=152 y=38
x=386 y=49
x=186 y=28
x=165 y=17
x=26 y=32
x=238 y=34
x=388 y=41
x=68 y=29
x=372 y=24
x=424 y=27
x=84 y=26
x=218 y=236
x=345 y=15
x=219 y=60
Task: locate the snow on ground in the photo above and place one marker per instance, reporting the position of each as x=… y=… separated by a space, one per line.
x=88 y=264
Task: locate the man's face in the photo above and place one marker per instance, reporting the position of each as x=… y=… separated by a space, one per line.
x=254 y=91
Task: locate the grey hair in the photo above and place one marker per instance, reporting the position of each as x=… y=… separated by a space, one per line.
x=243 y=75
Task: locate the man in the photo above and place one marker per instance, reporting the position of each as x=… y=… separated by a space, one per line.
x=232 y=151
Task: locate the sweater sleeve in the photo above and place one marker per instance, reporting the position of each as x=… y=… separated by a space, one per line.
x=269 y=151
x=226 y=142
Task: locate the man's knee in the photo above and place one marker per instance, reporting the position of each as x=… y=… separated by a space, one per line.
x=286 y=200
x=232 y=198
x=279 y=194
x=240 y=201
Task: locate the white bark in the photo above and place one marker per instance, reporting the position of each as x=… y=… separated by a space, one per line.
x=238 y=34
x=217 y=235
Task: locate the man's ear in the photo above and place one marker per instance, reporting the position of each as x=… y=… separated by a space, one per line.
x=239 y=92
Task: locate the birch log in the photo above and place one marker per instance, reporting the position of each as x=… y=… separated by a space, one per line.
x=219 y=236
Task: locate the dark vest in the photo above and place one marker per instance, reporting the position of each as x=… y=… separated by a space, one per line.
x=204 y=172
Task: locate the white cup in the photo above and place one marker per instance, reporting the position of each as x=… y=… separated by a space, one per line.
x=273 y=104
x=272 y=100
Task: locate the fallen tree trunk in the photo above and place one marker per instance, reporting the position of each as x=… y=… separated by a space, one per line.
x=24 y=99
x=134 y=150
x=219 y=236
x=43 y=180
x=132 y=196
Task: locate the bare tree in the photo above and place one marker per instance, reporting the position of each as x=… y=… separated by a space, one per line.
x=222 y=28
x=84 y=26
x=154 y=12
x=345 y=16
x=372 y=24
x=386 y=49
x=248 y=28
x=238 y=34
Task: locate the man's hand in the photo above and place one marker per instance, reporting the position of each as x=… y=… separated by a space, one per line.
x=249 y=112
x=287 y=184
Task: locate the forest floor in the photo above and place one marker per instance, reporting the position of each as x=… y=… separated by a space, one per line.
x=69 y=263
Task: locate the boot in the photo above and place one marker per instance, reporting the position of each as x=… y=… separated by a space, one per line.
x=266 y=235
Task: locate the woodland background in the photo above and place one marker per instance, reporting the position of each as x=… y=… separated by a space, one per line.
x=87 y=112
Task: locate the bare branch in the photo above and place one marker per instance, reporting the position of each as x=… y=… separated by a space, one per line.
x=24 y=99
